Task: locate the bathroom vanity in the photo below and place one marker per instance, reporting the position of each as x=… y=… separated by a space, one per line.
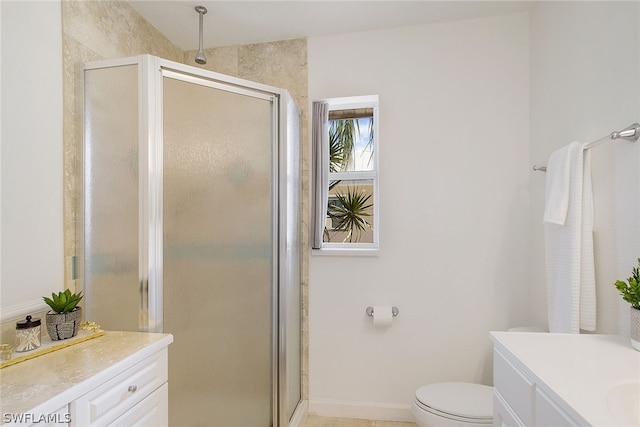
x=119 y=378
x=543 y=379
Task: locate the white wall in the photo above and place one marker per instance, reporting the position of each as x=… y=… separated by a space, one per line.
x=585 y=83
x=31 y=84
x=454 y=169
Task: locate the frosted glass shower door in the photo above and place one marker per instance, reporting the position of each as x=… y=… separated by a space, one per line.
x=108 y=221
x=218 y=252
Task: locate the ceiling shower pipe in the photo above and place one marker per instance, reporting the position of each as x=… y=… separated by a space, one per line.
x=200 y=58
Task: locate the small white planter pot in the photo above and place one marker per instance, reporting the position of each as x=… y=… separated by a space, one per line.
x=635 y=328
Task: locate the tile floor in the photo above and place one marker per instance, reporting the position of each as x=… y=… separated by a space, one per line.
x=315 y=421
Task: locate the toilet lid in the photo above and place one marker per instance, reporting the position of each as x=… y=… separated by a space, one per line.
x=462 y=399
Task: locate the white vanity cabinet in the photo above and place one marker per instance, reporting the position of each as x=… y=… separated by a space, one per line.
x=518 y=402
x=137 y=393
x=118 y=379
x=561 y=380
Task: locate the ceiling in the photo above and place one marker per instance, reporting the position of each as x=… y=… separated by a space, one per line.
x=245 y=22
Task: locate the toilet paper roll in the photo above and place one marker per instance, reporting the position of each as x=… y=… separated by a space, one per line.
x=382 y=316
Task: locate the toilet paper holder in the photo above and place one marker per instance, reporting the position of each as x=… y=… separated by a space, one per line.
x=394 y=311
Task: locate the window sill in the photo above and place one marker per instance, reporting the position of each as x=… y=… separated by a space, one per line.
x=369 y=252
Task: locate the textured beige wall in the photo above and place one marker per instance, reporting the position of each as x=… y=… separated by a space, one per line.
x=94 y=30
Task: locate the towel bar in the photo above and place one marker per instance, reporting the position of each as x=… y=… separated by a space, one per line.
x=631 y=134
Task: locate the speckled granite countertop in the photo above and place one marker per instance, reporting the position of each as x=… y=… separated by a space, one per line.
x=48 y=382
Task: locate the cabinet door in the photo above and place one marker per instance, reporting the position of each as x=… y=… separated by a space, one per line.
x=152 y=411
x=59 y=418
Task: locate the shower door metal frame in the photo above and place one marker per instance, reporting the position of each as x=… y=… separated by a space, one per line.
x=151 y=72
x=156 y=284
x=155 y=178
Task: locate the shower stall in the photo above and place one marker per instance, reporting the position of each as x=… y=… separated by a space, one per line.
x=188 y=223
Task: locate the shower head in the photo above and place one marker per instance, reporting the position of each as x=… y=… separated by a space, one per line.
x=200 y=58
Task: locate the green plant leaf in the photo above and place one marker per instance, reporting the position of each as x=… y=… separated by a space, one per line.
x=341 y=142
x=71 y=306
x=630 y=290
x=63 y=302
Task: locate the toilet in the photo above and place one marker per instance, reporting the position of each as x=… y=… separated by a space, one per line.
x=457 y=404
x=453 y=404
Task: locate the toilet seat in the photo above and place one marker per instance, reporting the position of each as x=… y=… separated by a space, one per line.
x=464 y=402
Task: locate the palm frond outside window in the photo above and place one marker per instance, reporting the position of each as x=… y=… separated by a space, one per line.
x=351 y=201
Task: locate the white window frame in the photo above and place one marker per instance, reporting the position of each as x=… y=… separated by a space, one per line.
x=340 y=248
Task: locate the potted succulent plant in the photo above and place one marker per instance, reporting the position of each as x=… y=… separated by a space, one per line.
x=64 y=318
x=630 y=291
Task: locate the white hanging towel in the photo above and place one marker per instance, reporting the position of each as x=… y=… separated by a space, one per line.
x=571 y=290
x=556 y=203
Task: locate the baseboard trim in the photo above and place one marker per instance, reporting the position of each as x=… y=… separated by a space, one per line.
x=300 y=415
x=363 y=410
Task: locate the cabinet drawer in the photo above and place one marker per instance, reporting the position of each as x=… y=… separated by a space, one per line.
x=110 y=400
x=153 y=411
x=516 y=389
x=503 y=416
x=548 y=414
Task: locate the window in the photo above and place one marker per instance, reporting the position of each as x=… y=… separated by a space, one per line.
x=345 y=173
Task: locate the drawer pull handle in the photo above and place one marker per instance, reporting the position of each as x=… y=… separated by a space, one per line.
x=133 y=388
